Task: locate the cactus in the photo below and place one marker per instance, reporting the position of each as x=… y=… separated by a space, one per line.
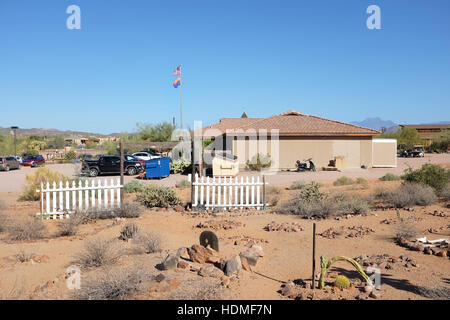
x=342 y=282
x=325 y=266
x=128 y=231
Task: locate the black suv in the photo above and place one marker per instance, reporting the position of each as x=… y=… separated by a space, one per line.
x=109 y=165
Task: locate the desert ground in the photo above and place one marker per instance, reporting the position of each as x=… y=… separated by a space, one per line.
x=37 y=269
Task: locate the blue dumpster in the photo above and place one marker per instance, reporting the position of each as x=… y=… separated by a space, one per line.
x=157 y=168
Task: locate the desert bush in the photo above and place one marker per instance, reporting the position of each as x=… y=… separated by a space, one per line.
x=390 y=177
x=445 y=192
x=148 y=241
x=133 y=186
x=3 y=222
x=381 y=193
x=128 y=209
x=2 y=205
x=440 y=293
x=97 y=253
x=272 y=190
x=24 y=256
x=297 y=185
x=157 y=196
x=179 y=166
x=34 y=180
x=129 y=231
x=259 y=161
x=354 y=206
x=429 y=174
x=69 y=227
x=272 y=200
x=114 y=285
x=183 y=184
x=343 y=181
x=406 y=229
x=409 y=194
x=26 y=228
x=198 y=290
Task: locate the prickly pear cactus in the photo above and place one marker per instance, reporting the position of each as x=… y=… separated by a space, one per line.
x=342 y=282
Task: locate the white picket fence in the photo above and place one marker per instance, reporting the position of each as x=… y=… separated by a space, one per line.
x=228 y=192
x=59 y=200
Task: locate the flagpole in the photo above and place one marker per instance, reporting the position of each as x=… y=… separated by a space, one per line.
x=181 y=99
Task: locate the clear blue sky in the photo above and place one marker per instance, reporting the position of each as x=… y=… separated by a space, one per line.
x=317 y=57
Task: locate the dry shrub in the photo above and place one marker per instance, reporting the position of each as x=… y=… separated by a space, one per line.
x=297 y=185
x=343 y=181
x=33 y=182
x=272 y=190
x=406 y=229
x=148 y=241
x=24 y=256
x=409 y=194
x=15 y=292
x=429 y=174
x=129 y=231
x=3 y=222
x=441 y=293
x=98 y=252
x=182 y=184
x=3 y=205
x=26 y=228
x=445 y=192
x=69 y=227
x=129 y=209
x=112 y=285
x=390 y=177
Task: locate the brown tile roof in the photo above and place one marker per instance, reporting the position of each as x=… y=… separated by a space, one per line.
x=293 y=123
x=426 y=126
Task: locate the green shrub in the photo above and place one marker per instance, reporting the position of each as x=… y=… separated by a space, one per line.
x=429 y=174
x=157 y=196
x=34 y=180
x=390 y=177
x=179 y=166
x=133 y=186
x=343 y=181
x=259 y=162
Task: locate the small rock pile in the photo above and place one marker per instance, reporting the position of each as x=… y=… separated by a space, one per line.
x=245 y=240
x=287 y=227
x=216 y=225
x=436 y=213
x=385 y=261
x=208 y=263
x=440 y=251
x=349 y=232
x=386 y=221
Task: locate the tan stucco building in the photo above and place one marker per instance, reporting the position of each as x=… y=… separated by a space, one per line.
x=292 y=136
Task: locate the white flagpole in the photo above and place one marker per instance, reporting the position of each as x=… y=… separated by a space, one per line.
x=181 y=100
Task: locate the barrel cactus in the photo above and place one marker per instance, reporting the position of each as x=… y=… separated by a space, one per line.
x=342 y=282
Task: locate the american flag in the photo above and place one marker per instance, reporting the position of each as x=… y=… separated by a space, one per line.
x=177 y=71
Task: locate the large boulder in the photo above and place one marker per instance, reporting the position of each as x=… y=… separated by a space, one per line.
x=232 y=266
x=250 y=255
x=170 y=262
x=208 y=270
x=200 y=254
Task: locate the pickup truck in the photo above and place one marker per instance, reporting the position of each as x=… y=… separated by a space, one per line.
x=110 y=165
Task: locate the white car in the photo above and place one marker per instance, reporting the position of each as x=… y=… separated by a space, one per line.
x=19 y=159
x=146 y=156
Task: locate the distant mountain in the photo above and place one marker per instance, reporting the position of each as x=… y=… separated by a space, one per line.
x=50 y=132
x=375 y=123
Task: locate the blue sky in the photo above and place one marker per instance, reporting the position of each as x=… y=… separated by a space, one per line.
x=317 y=57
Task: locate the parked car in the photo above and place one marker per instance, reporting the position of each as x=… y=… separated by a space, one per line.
x=109 y=165
x=146 y=155
x=33 y=160
x=19 y=159
x=416 y=151
x=130 y=157
x=8 y=163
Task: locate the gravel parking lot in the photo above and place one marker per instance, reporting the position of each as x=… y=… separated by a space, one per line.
x=14 y=180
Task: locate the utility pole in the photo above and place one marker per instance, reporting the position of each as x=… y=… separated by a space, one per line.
x=14 y=128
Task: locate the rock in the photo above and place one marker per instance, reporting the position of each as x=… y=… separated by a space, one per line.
x=209 y=270
x=245 y=264
x=288 y=290
x=174 y=283
x=368 y=289
x=375 y=295
x=362 y=296
x=182 y=253
x=234 y=265
x=225 y=281
x=441 y=254
x=251 y=256
x=160 y=277
x=170 y=262
x=182 y=264
x=178 y=208
x=257 y=249
x=427 y=250
x=402 y=242
x=200 y=254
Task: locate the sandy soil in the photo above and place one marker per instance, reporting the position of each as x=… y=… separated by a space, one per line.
x=287 y=254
